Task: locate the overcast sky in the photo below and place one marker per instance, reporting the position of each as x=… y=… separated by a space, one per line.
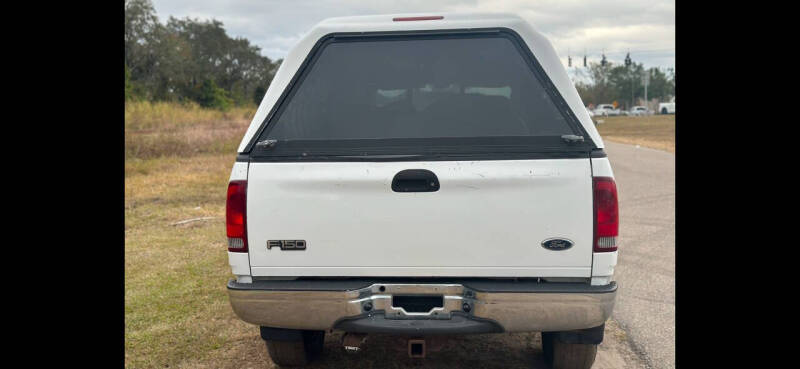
x=647 y=28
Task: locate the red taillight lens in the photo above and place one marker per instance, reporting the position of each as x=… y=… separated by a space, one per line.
x=406 y=19
x=236 y=216
x=606 y=214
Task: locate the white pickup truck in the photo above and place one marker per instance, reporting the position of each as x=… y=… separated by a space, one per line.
x=423 y=175
x=667 y=108
x=606 y=110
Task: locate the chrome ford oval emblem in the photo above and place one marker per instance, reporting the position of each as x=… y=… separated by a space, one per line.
x=557 y=244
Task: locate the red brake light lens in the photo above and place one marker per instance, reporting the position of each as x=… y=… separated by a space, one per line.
x=606 y=215
x=236 y=216
x=406 y=19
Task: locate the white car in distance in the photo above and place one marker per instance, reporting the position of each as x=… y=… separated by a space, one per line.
x=606 y=110
x=667 y=108
x=640 y=111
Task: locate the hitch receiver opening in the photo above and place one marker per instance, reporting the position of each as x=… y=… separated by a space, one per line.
x=416 y=348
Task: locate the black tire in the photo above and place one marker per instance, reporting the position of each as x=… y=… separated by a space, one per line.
x=297 y=353
x=663 y=110
x=547 y=347
x=559 y=355
x=573 y=355
x=314 y=341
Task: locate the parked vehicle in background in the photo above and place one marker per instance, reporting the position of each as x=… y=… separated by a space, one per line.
x=667 y=108
x=640 y=111
x=606 y=110
x=425 y=175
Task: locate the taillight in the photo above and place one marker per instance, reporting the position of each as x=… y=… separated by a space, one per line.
x=236 y=216
x=606 y=214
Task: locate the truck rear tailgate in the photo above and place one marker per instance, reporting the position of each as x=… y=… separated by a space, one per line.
x=487 y=219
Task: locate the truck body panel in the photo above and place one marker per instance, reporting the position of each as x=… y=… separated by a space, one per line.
x=489 y=218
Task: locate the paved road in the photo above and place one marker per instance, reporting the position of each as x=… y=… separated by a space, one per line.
x=645 y=307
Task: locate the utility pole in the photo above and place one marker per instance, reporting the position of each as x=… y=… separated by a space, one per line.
x=646 y=82
x=628 y=63
x=569 y=59
x=584 y=57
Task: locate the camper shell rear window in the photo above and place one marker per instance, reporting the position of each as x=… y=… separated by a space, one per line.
x=421 y=95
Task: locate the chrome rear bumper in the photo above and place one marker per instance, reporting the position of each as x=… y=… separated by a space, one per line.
x=468 y=306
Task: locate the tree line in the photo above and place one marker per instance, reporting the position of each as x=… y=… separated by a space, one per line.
x=617 y=82
x=190 y=60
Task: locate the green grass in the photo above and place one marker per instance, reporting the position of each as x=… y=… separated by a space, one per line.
x=176 y=307
x=655 y=131
x=164 y=116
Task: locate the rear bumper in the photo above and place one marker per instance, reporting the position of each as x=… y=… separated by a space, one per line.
x=366 y=305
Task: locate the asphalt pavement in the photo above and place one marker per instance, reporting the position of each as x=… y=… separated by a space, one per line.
x=645 y=272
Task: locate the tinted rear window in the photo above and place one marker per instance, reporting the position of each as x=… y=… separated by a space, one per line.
x=420 y=88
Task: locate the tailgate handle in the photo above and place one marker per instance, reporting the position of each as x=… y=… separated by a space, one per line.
x=415 y=180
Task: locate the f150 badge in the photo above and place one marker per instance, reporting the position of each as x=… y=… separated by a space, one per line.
x=557 y=244
x=287 y=244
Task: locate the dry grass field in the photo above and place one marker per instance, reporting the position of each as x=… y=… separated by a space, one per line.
x=154 y=130
x=655 y=131
x=177 y=163
x=178 y=159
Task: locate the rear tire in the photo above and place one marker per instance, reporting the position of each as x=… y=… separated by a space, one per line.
x=287 y=353
x=547 y=347
x=559 y=355
x=314 y=341
x=663 y=110
x=297 y=353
